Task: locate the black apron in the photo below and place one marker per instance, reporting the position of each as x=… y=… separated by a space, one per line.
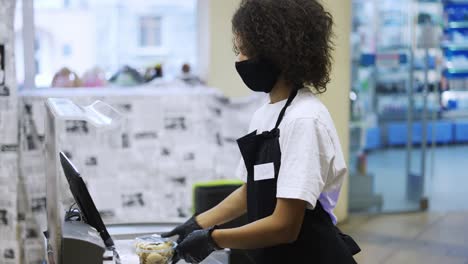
x=319 y=240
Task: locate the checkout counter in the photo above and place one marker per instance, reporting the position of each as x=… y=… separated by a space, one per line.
x=82 y=243
x=124 y=235
x=78 y=235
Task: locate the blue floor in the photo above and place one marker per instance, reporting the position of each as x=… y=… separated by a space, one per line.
x=446 y=172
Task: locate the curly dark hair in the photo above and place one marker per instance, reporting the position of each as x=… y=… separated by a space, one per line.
x=295 y=35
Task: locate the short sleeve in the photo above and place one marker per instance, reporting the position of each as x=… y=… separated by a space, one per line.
x=306 y=153
x=241 y=171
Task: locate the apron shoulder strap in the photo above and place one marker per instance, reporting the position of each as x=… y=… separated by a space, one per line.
x=283 y=111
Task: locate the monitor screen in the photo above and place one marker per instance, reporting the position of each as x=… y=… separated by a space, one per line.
x=83 y=199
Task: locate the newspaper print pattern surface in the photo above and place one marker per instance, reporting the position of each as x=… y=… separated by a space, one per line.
x=9 y=253
x=142 y=171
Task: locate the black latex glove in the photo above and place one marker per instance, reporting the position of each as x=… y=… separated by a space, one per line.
x=197 y=246
x=183 y=230
x=175 y=258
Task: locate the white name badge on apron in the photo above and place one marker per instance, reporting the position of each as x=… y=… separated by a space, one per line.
x=264 y=171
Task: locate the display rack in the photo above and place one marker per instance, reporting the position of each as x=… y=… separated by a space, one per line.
x=454 y=98
x=382 y=73
x=396 y=87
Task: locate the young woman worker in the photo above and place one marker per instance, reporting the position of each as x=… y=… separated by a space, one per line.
x=292 y=162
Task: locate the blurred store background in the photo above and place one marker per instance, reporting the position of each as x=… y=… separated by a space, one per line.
x=409 y=111
x=85 y=35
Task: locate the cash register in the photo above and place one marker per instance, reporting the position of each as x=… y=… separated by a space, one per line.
x=84 y=236
x=76 y=235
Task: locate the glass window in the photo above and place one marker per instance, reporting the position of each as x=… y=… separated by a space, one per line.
x=109 y=34
x=150 y=31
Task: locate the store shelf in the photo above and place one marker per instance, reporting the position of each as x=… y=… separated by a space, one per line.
x=454 y=2
x=460 y=91
x=404 y=94
x=457 y=24
x=455 y=114
x=455 y=46
x=430 y=71
x=401 y=49
x=455 y=93
x=356 y=124
x=403 y=116
x=457 y=70
x=433 y=49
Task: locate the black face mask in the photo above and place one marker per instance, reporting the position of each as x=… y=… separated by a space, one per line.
x=258 y=74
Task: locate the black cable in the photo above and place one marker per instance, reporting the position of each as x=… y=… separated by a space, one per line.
x=73 y=214
x=71 y=206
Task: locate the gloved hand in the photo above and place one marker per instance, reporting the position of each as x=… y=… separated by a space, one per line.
x=184 y=229
x=197 y=246
x=175 y=258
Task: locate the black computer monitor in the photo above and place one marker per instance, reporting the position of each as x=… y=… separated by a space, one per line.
x=84 y=201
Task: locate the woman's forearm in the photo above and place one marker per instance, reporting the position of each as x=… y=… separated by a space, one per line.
x=234 y=206
x=282 y=227
x=263 y=233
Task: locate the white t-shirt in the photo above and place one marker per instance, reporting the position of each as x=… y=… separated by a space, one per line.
x=312 y=163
